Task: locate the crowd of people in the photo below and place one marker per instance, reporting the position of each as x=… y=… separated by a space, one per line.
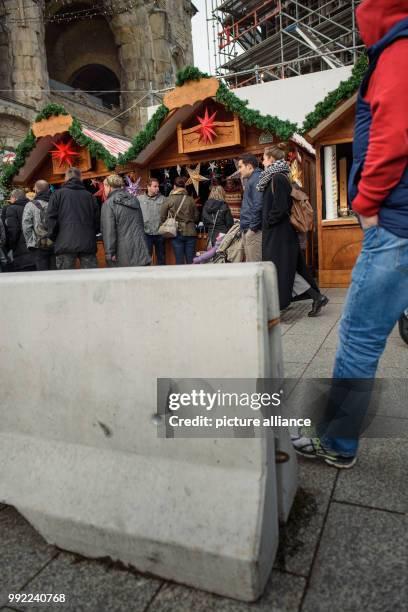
x=59 y=229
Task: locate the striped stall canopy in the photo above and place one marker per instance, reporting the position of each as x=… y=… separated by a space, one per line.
x=114 y=145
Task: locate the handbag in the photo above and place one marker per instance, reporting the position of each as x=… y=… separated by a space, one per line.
x=169 y=228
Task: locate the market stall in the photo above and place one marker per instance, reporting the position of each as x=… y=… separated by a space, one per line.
x=339 y=233
x=204 y=130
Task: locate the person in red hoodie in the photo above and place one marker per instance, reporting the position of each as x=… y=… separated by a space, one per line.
x=378 y=190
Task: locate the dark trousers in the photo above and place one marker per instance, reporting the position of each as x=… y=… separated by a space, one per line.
x=67 y=261
x=159 y=246
x=44 y=260
x=184 y=249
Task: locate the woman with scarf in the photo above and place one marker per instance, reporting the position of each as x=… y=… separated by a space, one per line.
x=280 y=241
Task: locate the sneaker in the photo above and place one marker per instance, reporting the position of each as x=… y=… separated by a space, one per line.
x=318 y=305
x=312 y=448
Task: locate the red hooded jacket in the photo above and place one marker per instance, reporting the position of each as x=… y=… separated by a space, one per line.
x=387 y=94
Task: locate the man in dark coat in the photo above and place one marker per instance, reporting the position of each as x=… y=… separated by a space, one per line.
x=23 y=260
x=123 y=227
x=73 y=222
x=251 y=210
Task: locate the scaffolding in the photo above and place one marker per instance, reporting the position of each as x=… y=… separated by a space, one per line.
x=261 y=40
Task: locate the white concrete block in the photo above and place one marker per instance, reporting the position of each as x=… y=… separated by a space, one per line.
x=80 y=355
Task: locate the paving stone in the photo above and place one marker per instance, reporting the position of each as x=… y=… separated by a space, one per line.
x=361 y=562
x=294 y=369
x=23 y=552
x=395 y=354
x=283 y=594
x=300 y=536
x=93 y=586
x=297 y=349
x=379 y=477
x=322 y=364
x=336 y=295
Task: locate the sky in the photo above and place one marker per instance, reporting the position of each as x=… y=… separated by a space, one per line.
x=200 y=37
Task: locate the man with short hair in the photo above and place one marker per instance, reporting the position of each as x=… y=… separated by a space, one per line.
x=150 y=204
x=73 y=222
x=251 y=210
x=35 y=228
x=23 y=260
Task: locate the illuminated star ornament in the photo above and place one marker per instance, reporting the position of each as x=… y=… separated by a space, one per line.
x=207 y=128
x=195 y=177
x=64 y=153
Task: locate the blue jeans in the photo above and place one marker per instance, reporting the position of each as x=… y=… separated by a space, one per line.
x=158 y=243
x=376 y=299
x=184 y=249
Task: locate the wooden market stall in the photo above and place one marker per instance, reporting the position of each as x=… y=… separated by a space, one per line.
x=339 y=234
x=59 y=141
x=203 y=135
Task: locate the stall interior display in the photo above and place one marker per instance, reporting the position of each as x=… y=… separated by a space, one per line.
x=339 y=233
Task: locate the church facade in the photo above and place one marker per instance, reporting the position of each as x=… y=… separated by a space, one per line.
x=100 y=59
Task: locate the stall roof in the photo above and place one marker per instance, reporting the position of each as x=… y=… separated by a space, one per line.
x=294 y=98
x=116 y=146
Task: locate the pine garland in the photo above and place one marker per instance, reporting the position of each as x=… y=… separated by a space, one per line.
x=22 y=151
x=51 y=110
x=283 y=129
x=145 y=137
x=96 y=149
x=345 y=90
x=190 y=73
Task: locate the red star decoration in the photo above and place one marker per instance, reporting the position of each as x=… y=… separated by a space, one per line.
x=64 y=153
x=101 y=190
x=207 y=127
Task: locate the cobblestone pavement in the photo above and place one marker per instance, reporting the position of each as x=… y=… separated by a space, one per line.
x=343 y=549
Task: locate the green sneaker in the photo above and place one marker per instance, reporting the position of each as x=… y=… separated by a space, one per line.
x=312 y=448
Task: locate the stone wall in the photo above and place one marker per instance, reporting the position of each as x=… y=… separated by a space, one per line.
x=143 y=47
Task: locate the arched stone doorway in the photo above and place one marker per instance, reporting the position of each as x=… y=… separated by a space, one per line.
x=84 y=57
x=98 y=80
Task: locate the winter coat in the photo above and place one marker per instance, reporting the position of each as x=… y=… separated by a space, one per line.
x=22 y=258
x=280 y=243
x=251 y=209
x=188 y=215
x=151 y=208
x=73 y=219
x=217 y=218
x=123 y=230
x=32 y=217
x=378 y=182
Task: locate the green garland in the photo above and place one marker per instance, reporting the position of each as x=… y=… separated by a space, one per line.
x=51 y=110
x=22 y=151
x=190 y=73
x=283 y=129
x=96 y=149
x=145 y=137
x=345 y=90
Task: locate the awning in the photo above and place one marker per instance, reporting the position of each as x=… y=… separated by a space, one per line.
x=115 y=146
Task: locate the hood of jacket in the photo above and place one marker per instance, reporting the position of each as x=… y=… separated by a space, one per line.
x=213 y=206
x=123 y=198
x=44 y=196
x=74 y=183
x=376 y=18
x=20 y=202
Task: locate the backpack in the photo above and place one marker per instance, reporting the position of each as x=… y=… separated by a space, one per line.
x=40 y=226
x=302 y=215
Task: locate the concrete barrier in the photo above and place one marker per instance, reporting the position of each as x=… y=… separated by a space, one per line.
x=80 y=458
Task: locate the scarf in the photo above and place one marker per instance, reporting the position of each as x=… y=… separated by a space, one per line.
x=279 y=167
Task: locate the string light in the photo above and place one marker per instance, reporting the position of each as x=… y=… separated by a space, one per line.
x=103 y=8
